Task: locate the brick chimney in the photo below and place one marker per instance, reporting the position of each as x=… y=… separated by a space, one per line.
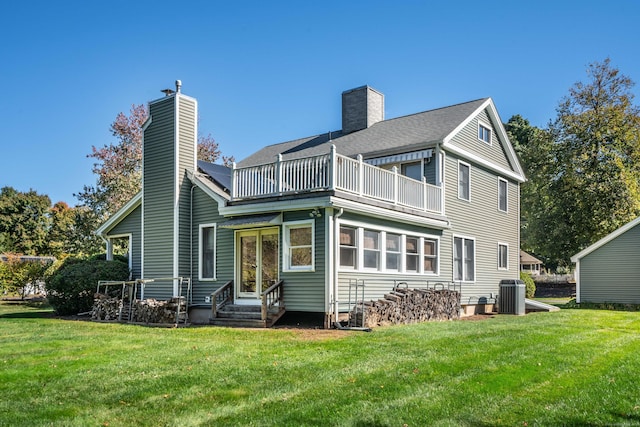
x=361 y=108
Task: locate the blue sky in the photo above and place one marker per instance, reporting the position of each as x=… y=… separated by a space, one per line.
x=266 y=72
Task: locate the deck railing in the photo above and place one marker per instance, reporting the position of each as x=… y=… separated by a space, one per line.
x=220 y=297
x=334 y=172
x=272 y=297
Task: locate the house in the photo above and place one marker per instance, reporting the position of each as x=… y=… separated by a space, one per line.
x=429 y=199
x=529 y=263
x=608 y=270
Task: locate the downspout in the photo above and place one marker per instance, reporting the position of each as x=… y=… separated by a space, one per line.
x=336 y=251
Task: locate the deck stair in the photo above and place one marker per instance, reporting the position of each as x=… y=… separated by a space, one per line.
x=248 y=316
x=265 y=315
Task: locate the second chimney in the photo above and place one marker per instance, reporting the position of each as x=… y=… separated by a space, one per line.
x=361 y=108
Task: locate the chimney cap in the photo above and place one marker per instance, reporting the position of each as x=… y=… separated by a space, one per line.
x=178 y=85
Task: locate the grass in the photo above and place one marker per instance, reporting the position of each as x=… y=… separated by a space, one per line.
x=575 y=367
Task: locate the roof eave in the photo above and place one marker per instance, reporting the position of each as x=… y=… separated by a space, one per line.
x=120 y=214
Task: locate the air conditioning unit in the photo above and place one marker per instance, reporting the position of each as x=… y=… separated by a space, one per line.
x=511 y=298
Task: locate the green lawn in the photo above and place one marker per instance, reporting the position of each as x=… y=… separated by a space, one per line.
x=574 y=367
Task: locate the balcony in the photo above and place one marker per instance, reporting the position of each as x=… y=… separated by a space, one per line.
x=334 y=172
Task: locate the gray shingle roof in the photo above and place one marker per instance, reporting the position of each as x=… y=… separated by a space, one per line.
x=401 y=134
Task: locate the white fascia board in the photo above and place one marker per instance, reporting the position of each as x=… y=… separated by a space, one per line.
x=606 y=239
x=389 y=214
x=121 y=214
x=483 y=162
x=502 y=137
x=207 y=187
x=277 y=206
x=176 y=194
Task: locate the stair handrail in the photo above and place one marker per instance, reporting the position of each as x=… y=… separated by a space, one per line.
x=272 y=295
x=224 y=294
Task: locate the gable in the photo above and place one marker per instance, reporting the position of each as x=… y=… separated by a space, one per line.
x=496 y=154
x=120 y=215
x=605 y=240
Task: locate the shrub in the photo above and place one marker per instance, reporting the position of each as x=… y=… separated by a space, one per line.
x=71 y=288
x=529 y=283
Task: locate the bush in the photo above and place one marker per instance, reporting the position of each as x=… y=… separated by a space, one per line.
x=529 y=283
x=71 y=288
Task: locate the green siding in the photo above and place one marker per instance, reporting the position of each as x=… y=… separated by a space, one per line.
x=611 y=272
x=467 y=139
x=305 y=291
x=187 y=116
x=158 y=196
x=205 y=211
x=480 y=218
x=165 y=161
x=132 y=224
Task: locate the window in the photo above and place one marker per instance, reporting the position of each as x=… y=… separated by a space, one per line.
x=464 y=181
x=502 y=194
x=463 y=259
x=371 y=249
x=430 y=259
x=348 y=247
x=394 y=251
x=412 y=170
x=299 y=246
x=484 y=133
x=207 y=265
x=503 y=256
x=412 y=256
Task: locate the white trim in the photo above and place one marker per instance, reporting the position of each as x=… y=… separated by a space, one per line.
x=502 y=136
x=383 y=230
x=378 y=250
x=577 y=277
x=500 y=179
x=328 y=260
x=498 y=263
x=120 y=236
x=286 y=248
x=176 y=195
x=461 y=162
x=336 y=202
x=388 y=214
x=482 y=162
x=207 y=187
x=121 y=214
x=488 y=128
x=605 y=240
x=215 y=252
x=475 y=258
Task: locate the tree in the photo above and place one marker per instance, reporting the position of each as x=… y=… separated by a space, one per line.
x=72 y=231
x=118 y=165
x=588 y=176
x=533 y=147
x=24 y=221
x=16 y=273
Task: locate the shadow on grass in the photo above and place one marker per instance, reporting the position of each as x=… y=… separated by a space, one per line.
x=25 y=309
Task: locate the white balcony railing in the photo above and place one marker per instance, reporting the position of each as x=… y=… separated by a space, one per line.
x=334 y=172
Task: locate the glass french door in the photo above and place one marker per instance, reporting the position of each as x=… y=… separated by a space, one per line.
x=258 y=261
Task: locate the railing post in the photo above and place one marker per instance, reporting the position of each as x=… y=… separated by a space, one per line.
x=279 y=174
x=395 y=185
x=234 y=181
x=425 y=192
x=332 y=167
x=360 y=184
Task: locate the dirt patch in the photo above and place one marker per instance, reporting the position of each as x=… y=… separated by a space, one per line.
x=476 y=317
